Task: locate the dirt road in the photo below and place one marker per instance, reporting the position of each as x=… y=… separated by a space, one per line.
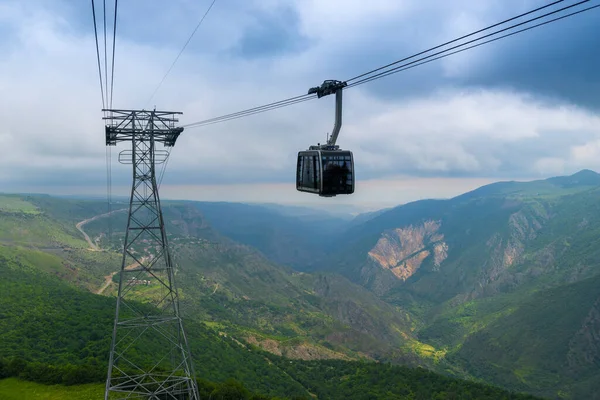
x=108 y=278
x=107 y=282
x=94 y=247
x=79 y=226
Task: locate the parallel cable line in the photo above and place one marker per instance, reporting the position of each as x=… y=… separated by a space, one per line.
x=261 y=110
x=178 y=55
x=162 y=172
x=98 y=54
x=108 y=103
x=385 y=73
x=455 y=40
x=255 y=110
x=105 y=55
x=412 y=64
x=112 y=73
x=404 y=68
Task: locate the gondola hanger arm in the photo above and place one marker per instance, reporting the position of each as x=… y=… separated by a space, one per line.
x=330 y=87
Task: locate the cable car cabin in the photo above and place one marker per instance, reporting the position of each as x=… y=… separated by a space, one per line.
x=325 y=172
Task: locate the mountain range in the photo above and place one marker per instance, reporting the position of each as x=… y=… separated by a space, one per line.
x=499 y=285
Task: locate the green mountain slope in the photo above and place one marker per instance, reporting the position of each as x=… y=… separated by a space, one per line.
x=351 y=380
x=486 y=232
x=546 y=344
x=477 y=273
x=498 y=284
x=283 y=238
x=14 y=389
x=49 y=224
x=245 y=293
x=43 y=319
x=52 y=332
x=225 y=283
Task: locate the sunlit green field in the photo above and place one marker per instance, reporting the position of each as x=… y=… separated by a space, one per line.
x=15 y=204
x=14 y=389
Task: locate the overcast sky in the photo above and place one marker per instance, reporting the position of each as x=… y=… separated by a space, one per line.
x=525 y=107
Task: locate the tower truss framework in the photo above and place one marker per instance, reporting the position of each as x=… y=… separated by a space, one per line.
x=149 y=356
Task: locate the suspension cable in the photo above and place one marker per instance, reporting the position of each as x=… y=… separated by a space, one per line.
x=180 y=52
x=386 y=73
x=402 y=68
x=112 y=73
x=255 y=110
x=105 y=55
x=298 y=99
x=164 y=167
x=109 y=160
x=98 y=54
x=452 y=41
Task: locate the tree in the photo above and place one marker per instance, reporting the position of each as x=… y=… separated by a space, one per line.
x=230 y=390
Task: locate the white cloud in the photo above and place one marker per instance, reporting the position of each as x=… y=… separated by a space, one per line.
x=50 y=105
x=586 y=155
x=550 y=165
x=476 y=132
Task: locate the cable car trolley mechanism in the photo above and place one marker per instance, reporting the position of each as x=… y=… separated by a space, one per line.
x=325 y=169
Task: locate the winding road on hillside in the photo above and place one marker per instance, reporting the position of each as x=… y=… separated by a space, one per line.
x=79 y=226
x=108 y=278
x=107 y=282
x=94 y=246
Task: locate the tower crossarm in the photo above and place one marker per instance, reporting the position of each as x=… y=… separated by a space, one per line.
x=129 y=125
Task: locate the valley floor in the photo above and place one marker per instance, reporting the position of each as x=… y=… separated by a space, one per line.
x=16 y=389
x=253 y=307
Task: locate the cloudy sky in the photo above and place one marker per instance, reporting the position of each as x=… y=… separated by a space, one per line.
x=525 y=107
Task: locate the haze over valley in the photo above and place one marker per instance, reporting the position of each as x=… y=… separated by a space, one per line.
x=300 y=200
x=498 y=285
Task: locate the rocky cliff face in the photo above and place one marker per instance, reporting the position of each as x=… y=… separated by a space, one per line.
x=186 y=220
x=507 y=264
x=403 y=250
x=300 y=351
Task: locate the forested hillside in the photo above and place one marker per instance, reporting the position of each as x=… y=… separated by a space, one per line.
x=53 y=332
x=500 y=280
x=498 y=285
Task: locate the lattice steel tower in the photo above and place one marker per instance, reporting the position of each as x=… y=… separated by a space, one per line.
x=149 y=356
